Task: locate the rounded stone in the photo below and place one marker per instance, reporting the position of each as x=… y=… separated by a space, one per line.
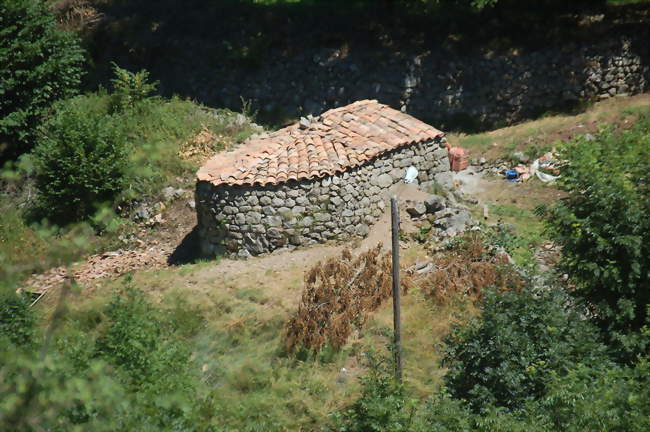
x=253 y=218
x=273 y=221
x=384 y=181
x=323 y=217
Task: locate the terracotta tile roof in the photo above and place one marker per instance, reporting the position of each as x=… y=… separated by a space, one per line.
x=336 y=141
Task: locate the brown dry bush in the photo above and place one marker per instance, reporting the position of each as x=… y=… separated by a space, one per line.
x=76 y=15
x=466 y=270
x=201 y=146
x=338 y=296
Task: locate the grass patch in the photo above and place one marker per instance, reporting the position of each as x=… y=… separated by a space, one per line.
x=233 y=323
x=527 y=235
x=536 y=137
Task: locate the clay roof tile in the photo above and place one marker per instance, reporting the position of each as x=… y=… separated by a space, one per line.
x=338 y=139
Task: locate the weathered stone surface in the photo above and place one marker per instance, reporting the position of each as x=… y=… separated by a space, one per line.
x=229 y=210
x=341 y=206
x=273 y=221
x=457 y=222
x=362 y=230
x=268 y=210
x=434 y=203
x=253 y=218
x=384 y=181
x=416 y=209
x=274 y=233
x=293 y=193
x=323 y=217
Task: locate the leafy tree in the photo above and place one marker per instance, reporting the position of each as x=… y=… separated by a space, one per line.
x=603 y=227
x=508 y=355
x=81 y=160
x=40 y=64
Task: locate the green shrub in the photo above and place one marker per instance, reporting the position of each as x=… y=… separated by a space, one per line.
x=16 y=319
x=154 y=364
x=40 y=64
x=383 y=404
x=133 y=334
x=81 y=161
x=508 y=355
x=130 y=89
x=598 y=398
x=129 y=371
x=603 y=227
x=443 y=413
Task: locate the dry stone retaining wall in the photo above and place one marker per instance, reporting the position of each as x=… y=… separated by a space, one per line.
x=442 y=87
x=251 y=220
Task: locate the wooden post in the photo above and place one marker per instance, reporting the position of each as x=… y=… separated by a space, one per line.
x=396 y=288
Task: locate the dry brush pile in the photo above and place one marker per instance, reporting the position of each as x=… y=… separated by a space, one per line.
x=338 y=296
x=467 y=269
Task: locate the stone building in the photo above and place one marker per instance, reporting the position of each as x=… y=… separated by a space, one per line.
x=323 y=178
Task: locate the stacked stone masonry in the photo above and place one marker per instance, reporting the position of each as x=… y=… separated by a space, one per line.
x=252 y=220
x=442 y=87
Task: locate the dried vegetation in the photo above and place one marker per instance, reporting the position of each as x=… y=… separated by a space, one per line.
x=466 y=269
x=76 y=15
x=339 y=294
x=201 y=147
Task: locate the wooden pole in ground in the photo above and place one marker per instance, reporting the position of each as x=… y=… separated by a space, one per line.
x=396 y=288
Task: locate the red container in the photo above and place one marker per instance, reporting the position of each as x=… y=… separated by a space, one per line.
x=458 y=158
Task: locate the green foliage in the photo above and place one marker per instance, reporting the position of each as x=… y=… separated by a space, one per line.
x=16 y=320
x=383 y=404
x=40 y=389
x=130 y=89
x=132 y=335
x=597 y=399
x=40 y=64
x=603 y=227
x=521 y=340
x=81 y=161
x=142 y=341
x=136 y=375
x=113 y=148
x=442 y=413
x=28 y=248
x=48 y=393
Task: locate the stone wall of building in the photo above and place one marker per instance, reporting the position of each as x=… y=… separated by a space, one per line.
x=251 y=220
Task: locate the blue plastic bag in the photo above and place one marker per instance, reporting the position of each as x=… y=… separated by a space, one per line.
x=512 y=175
